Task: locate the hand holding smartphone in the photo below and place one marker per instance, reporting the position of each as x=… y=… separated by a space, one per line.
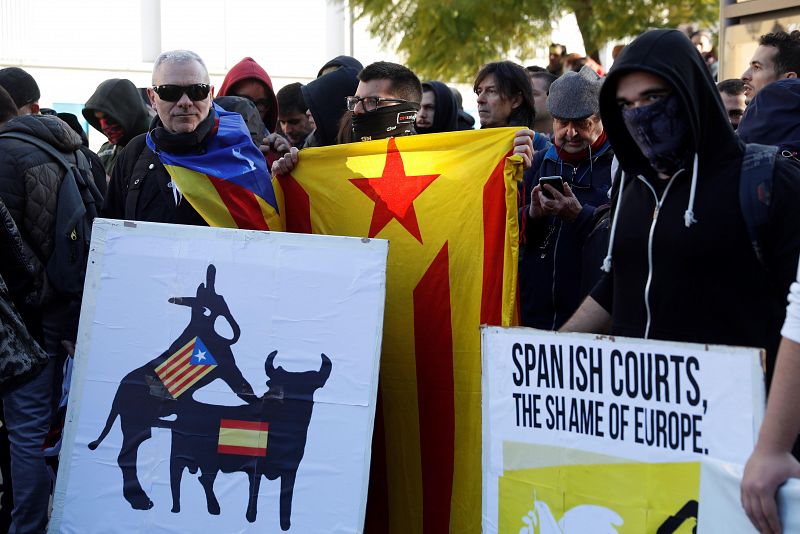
x=556 y=182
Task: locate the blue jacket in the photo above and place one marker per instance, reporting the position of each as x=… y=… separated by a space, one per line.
x=772 y=116
x=551 y=252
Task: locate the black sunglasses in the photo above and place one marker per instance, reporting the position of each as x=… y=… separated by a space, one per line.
x=173 y=93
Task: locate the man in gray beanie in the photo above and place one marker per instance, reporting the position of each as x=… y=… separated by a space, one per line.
x=572 y=178
x=22 y=88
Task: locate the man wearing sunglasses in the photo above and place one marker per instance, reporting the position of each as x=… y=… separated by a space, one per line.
x=385 y=105
x=559 y=219
x=187 y=127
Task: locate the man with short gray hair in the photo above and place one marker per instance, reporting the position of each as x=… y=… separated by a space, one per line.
x=153 y=178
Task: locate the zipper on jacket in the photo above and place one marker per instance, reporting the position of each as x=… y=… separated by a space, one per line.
x=656 y=210
x=553 y=289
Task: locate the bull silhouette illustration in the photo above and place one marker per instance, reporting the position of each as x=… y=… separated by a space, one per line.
x=164 y=386
x=266 y=438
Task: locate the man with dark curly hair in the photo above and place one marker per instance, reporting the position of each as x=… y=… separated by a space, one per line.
x=777 y=57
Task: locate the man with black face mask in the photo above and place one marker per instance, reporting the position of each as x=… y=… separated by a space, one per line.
x=385 y=105
x=386 y=102
x=684 y=266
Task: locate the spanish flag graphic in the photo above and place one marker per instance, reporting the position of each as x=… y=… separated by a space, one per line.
x=448 y=205
x=228 y=184
x=245 y=438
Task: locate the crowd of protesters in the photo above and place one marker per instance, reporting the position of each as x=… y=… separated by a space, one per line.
x=633 y=217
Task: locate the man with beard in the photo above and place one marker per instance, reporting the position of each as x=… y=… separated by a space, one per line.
x=438 y=110
x=684 y=265
x=292 y=117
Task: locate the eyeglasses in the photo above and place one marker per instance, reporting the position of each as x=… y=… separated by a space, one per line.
x=262 y=104
x=370 y=103
x=173 y=93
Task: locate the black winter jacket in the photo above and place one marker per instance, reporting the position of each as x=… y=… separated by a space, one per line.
x=551 y=265
x=140 y=190
x=29 y=182
x=701 y=283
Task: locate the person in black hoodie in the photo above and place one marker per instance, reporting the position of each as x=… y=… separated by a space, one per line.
x=116 y=109
x=325 y=96
x=438 y=111
x=684 y=267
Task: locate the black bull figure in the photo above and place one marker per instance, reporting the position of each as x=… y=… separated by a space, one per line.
x=286 y=407
x=142 y=399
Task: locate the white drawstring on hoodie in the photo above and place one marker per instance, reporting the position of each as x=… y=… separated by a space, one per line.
x=688 y=215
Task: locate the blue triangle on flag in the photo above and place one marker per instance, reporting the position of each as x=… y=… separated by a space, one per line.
x=201 y=355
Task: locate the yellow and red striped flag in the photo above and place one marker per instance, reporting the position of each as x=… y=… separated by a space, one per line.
x=448 y=205
x=245 y=438
x=185 y=367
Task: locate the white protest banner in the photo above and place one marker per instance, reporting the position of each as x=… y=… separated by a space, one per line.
x=224 y=381
x=720 y=485
x=585 y=433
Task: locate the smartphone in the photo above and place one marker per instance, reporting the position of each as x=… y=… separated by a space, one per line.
x=556 y=182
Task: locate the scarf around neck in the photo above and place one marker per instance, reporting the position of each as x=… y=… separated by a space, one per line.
x=184 y=143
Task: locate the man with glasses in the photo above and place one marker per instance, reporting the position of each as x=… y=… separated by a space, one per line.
x=385 y=105
x=187 y=126
x=559 y=218
x=249 y=80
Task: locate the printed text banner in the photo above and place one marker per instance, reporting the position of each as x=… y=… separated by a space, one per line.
x=448 y=205
x=590 y=433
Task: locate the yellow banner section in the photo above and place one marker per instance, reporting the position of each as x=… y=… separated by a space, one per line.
x=633 y=498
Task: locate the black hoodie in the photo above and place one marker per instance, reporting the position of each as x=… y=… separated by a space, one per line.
x=445 y=117
x=701 y=283
x=119 y=99
x=325 y=98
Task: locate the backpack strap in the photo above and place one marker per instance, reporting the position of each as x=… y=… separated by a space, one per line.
x=47 y=147
x=755 y=192
x=90 y=194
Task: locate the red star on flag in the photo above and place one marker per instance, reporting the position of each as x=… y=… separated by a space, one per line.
x=394 y=193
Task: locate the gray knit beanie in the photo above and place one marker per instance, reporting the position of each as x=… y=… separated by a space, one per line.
x=575 y=95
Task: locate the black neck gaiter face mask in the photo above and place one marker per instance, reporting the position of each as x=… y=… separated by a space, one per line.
x=182 y=143
x=389 y=121
x=661 y=131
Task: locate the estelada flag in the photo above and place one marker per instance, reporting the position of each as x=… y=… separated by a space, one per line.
x=228 y=184
x=244 y=438
x=448 y=205
x=185 y=367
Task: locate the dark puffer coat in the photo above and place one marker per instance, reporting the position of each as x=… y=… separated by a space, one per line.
x=29 y=182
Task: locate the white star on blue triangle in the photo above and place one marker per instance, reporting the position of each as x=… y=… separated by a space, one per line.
x=201 y=355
